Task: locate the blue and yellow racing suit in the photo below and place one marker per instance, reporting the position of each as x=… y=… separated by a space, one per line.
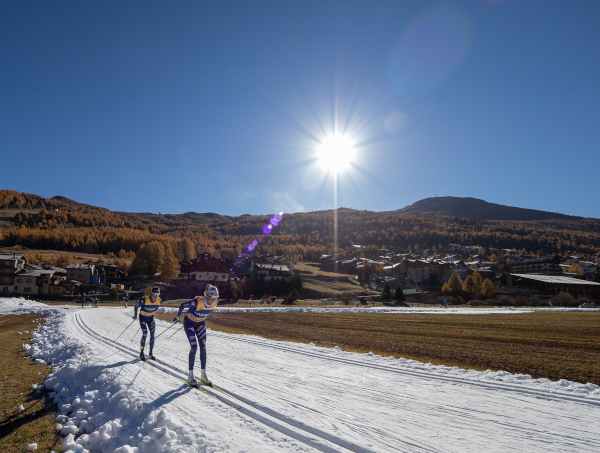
x=195 y=326
x=147 y=309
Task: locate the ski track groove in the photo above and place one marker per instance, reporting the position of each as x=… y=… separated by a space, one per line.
x=466 y=417
x=261 y=419
x=489 y=385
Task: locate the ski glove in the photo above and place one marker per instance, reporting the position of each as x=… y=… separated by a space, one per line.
x=134 y=317
x=176 y=319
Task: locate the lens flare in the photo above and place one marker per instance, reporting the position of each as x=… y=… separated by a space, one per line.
x=267 y=229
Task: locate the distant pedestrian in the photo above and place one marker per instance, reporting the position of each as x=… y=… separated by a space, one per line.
x=126 y=299
x=82 y=299
x=445 y=304
x=270 y=303
x=250 y=302
x=550 y=304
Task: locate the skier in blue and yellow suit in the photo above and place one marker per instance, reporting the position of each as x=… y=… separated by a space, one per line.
x=147 y=306
x=194 y=326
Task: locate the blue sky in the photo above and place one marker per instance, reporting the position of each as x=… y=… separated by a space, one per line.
x=220 y=106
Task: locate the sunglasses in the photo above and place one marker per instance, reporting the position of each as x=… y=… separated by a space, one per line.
x=156 y=294
x=213 y=297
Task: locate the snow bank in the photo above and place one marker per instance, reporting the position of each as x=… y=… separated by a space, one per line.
x=97 y=413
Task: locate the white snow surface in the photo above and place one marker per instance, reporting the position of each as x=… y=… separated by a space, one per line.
x=287 y=397
x=397 y=310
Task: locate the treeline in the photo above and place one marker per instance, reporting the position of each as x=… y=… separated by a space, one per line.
x=303 y=237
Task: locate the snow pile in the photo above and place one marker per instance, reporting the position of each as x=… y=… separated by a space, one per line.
x=19 y=306
x=97 y=413
x=92 y=403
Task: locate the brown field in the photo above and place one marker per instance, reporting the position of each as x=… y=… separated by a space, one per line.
x=557 y=345
x=317 y=271
x=79 y=257
x=17 y=373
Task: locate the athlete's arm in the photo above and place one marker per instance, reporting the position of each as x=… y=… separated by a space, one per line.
x=137 y=306
x=183 y=306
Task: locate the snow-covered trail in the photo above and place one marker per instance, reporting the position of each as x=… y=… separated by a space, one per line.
x=327 y=399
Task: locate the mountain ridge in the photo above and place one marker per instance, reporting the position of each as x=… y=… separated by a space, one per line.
x=461 y=207
x=476 y=209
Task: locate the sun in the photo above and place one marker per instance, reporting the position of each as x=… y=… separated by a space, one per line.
x=336 y=153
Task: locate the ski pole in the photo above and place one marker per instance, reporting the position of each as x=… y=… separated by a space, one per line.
x=138 y=331
x=176 y=332
x=164 y=331
x=124 y=331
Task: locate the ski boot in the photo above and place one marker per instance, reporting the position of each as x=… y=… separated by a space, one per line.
x=151 y=356
x=204 y=380
x=191 y=380
x=142 y=356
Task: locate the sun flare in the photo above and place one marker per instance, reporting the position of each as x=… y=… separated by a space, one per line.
x=336 y=153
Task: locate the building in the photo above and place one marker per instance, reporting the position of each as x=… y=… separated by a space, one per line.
x=204 y=269
x=38 y=280
x=10 y=265
x=271 y=271
x=549 y=284
x=419 y=270
x=80 y=272
x=105 y=271
x=588 y=268
x=545 y=265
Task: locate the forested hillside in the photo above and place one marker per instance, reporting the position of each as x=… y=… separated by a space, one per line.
x=77 y=227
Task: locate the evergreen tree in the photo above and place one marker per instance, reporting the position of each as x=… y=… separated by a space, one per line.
x=386 y=294
x=293 y=297
x=114 y=294
x=399 y=294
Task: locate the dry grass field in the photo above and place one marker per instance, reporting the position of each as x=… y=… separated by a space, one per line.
x=307 y=267
x=35 y=424
x=557 y=345
x=79 y=257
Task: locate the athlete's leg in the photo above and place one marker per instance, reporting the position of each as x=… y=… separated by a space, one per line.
x=144 y=327
x=201 y=334
x=203 y=354
x=190 y=332
x=152 y=329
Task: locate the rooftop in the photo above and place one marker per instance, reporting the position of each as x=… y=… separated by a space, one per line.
x=557 y=279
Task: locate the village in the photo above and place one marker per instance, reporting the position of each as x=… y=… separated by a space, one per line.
x=258 y=276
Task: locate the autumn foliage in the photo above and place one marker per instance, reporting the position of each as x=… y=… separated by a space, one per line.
x=70 y=226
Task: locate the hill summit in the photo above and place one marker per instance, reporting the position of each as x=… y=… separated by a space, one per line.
x=476 y=209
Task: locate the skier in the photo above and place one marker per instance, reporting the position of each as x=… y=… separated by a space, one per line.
x=82 y=299
x=194 y=325
x=148 y=305
x=126 y=299
x=445 y=304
